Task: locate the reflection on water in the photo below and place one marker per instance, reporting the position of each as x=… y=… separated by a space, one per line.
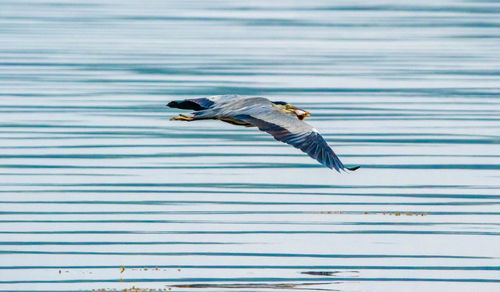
x=99 y=190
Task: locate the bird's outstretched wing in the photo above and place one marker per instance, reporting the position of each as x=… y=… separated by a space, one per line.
x=299 y=134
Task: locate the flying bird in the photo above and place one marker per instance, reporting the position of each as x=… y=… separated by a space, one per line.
x=273 y=117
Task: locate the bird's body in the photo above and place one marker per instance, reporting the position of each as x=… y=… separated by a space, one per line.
x=271 y=117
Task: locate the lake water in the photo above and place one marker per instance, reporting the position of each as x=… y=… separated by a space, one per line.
x=99 y=190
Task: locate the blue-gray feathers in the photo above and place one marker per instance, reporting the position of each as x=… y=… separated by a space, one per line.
x=264 y=114
x=310 y=142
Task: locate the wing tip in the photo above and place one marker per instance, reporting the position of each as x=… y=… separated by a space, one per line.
x=354 y=168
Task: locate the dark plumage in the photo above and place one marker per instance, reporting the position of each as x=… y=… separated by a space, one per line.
x=191 y=104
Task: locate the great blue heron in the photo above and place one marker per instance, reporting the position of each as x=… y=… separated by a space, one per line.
x=269 y=116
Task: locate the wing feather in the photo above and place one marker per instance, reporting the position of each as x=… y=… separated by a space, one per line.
x=294 y=132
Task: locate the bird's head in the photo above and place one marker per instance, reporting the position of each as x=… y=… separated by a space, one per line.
x=288 y=108
x=300 y=113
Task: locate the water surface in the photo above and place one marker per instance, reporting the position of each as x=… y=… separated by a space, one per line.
x=99 y=190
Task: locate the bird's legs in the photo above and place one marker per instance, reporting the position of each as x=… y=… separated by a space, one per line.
x=182 y=118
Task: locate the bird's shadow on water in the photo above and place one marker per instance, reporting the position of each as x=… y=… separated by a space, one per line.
x=277 y=286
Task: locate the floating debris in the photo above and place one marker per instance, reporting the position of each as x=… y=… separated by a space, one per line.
x=372 y=212
x=405 y=213
x=330 y=212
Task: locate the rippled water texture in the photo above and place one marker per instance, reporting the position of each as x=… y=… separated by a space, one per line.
x=99 y=190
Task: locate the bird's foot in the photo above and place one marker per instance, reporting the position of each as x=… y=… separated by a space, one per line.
x=182 y=118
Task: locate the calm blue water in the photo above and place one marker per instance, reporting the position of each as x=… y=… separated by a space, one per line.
x=94 y=177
